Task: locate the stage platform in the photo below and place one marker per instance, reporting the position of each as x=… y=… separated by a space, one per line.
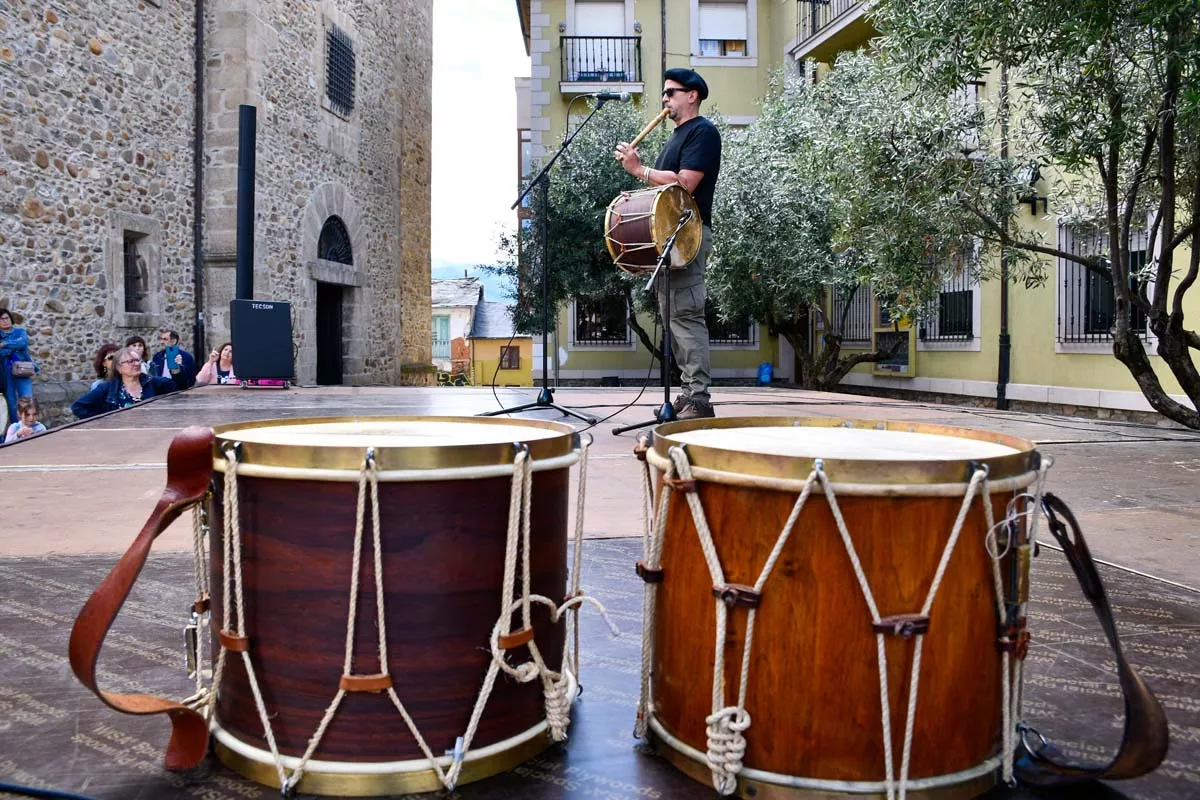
x=74 y=498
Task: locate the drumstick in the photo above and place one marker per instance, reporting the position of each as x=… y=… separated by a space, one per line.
x=651 y=125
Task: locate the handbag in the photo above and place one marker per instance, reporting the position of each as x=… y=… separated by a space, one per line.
x=22 y=369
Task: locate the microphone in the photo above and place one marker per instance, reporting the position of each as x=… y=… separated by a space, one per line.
x=619 y=96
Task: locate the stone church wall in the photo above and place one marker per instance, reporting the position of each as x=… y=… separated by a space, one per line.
x=96 y=129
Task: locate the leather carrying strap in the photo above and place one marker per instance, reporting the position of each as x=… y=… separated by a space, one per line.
x=189 y=468
x=1145 y=738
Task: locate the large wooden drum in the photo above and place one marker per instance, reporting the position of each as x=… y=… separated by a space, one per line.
x=637 y=226
x=444 y=489
x=813 y=690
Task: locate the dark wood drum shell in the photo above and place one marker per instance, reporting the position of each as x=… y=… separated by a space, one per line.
x=443 y=544
x=813 y=694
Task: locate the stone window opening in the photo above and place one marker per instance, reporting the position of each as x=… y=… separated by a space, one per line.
x=340 y=66
x=136 y=272
x=133 y=271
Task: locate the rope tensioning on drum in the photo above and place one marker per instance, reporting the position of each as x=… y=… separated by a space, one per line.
x=726 y=743
x=555 y=684
x=233 y=636
x=1014 y=638
x=727 y=724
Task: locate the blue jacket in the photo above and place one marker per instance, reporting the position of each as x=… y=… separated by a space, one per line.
x=107 y=396
x=14 y=346
x=185 y=378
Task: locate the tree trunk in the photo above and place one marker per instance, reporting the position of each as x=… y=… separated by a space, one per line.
x=1130 y=351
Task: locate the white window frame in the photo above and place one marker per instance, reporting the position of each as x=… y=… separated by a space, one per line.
x=748 y=60
x=960 y=345
x=573 y=27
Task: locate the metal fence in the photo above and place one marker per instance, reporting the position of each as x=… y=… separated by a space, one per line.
x=858 y=318
x=1087 y=305
x=950 y=317
x=733 y=332
x=601 y=59
x=600 y=322
x=815 y=15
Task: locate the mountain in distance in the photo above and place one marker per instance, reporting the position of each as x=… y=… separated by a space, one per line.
x=496 y=288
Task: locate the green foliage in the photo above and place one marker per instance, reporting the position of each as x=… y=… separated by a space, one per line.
x=584 y=180
x=1108 y=92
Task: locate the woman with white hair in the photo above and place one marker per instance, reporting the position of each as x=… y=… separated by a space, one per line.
x=127 y=387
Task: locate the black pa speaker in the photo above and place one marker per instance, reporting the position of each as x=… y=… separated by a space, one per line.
x=262 y=339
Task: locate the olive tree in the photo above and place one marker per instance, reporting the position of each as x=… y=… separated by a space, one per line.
x=854 y=183
x=1108 y=93
x=583 y=181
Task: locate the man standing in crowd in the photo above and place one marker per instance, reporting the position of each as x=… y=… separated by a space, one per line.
x=691 y=158
x=173 y=361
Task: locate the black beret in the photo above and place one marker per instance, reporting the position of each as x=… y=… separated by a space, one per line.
x=688 y=79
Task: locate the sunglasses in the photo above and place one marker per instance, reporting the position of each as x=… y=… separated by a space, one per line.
x=130 y=361
x=671 y=92
x=108 y=357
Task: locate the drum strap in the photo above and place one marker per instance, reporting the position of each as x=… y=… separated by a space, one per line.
x=1145 y=736
x=189 y=468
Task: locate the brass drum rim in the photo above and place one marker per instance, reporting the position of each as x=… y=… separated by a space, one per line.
x=350 y=458
x=849 y=471
x=687 y=243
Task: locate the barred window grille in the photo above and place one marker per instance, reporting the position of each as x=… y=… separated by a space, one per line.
x=333 y=244
x=950 y=317
x=858 y=318
x=601 y=321
x=743 y=332
x=339 y=70
x=1087 y=305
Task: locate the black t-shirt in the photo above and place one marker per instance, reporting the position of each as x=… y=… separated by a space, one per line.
x=695 y=145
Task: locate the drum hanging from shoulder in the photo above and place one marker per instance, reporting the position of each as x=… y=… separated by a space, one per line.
x=442 y=489
x=885 y=579
x=638 y=224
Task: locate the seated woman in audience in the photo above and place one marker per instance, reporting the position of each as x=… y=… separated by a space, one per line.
x=143 y=351
x=219 y=367
x=127 y=387
x=102 y=363
x=27 y=421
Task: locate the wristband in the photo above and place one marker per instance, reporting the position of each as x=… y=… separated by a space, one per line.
x=646 y=174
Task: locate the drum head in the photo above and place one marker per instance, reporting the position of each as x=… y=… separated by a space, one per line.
x=853 y=451
x=672 y=201
x=399 y=443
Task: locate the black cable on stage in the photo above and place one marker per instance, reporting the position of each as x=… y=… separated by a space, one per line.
x=37 y=791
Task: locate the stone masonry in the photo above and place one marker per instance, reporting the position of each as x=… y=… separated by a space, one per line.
x=96 y=131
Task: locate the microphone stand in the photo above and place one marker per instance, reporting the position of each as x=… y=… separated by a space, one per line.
x=666 y=412
x=545 y=398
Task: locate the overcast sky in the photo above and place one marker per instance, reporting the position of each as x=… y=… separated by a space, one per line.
x=477 y=53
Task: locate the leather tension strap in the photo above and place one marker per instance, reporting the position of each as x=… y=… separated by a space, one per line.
x=189 y=468
x=1145 y=738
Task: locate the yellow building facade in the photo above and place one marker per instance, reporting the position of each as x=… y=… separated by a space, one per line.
x=1061 y=353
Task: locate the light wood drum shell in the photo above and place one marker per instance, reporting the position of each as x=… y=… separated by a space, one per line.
x=443 y=560
x=813 y=693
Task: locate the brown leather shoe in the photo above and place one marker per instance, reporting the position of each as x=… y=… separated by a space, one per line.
x=696 y=409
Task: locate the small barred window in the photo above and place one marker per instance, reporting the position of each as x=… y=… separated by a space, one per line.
x=339 y=71
x=333 y=244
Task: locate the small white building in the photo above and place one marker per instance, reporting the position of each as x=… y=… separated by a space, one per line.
x=454 y=302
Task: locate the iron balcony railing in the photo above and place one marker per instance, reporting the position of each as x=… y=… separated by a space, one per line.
x=813 y=16
x=601 y=59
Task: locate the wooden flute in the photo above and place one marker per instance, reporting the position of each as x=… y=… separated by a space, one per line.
x=651 y=125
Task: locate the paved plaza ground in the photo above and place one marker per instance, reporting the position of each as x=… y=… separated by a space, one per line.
x=73 y=499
